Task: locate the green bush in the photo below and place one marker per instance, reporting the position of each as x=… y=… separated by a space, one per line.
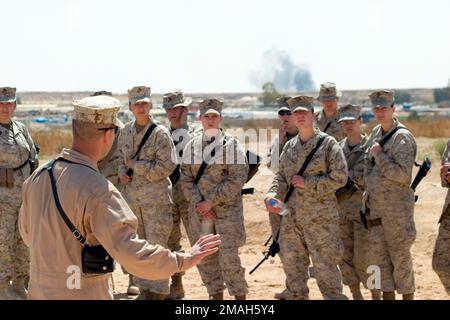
x=439 y=147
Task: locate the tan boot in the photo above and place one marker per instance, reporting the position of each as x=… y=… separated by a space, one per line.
x=18 y=286
x=133 y=289
x=376 y=294
x=240 y=297
x=409 y=296
x=217 y=296
x=176 y=288
x=356 y=292
x=281 y=295
x=7 y=292
x=388 y=295
x=148 y=295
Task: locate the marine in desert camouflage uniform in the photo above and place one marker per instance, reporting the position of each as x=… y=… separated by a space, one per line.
x=441 y=255
x=327 y=118
x=216 y=202
x=353 y=234
x=176 y=106
x=387 y=179
x=17 y=153
x=109 y=168
x=148 y=191
x=109 y=165
x=311 y=228
x=287 y=131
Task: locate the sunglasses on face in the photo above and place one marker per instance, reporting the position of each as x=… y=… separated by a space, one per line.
x=284 y=113
x=107 y=129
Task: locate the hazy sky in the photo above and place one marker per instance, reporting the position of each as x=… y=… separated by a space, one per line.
x=214 y=45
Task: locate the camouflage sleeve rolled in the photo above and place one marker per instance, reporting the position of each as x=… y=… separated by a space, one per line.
x=189 y=188
x=399 y=167
x=121 y=157
x=165 y=161
x=233 y=182
x=33 y=151
x=445 y=158
x=337 y=172
x=22 y=220
x=280 y=185
x=272 y=165
x=357 y=172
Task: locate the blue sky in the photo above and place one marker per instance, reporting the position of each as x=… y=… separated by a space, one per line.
x=214 y=46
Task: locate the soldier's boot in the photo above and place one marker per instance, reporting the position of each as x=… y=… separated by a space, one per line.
x=388 y=295
x=216 y=296
x=148 y=295
x=7 y=292
x=376 y=294
x=133 y=289
x=176 y=288
x=18 y=286
x=240 y=297
x=281 y=295
x=356 y=292
x=409 y=296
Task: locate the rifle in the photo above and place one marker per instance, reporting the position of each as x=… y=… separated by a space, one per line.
x=422 y=173
x=424 y=168
x=346 y=191
x=272 y=252
x=275 y=246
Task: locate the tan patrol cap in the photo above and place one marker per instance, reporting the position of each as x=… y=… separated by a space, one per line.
x=7 y=94
x=175 y=99
x=100 y=110
x=328 y=92
x=304 y=103
x=282 y=103
x=211 y=106
x=382 y=98
x=140 y=94
x=349 y=112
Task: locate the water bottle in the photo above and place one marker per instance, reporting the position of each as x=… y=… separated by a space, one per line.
x=207 y=227
x=284 y=211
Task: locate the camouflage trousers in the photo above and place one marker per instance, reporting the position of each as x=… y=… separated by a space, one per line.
x=441 y=255
x=303 y=237
x=155 y=225
x=14 y=254
x=354 y=239
x=390 y=250
x=223 y=268
x=180 y=213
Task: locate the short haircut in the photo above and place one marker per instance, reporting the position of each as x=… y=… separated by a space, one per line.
x=86 y=131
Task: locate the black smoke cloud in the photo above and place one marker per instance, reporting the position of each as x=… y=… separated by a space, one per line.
x=279 y=69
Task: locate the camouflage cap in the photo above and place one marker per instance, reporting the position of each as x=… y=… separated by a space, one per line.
x=304 y=103
x=349 y=112
x=7 y=94
x=282 y=103
x=139 y=94
x=101 y=93
x=211 y=106
x=175 y=99
x=98 y=110
x=328 y=92
x=382 y=98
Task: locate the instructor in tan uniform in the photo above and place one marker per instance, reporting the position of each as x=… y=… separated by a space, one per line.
x=97 y=209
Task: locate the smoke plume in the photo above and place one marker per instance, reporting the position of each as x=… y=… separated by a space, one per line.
x=279 y=69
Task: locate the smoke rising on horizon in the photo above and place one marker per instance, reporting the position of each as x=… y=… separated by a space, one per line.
x=279 y=69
